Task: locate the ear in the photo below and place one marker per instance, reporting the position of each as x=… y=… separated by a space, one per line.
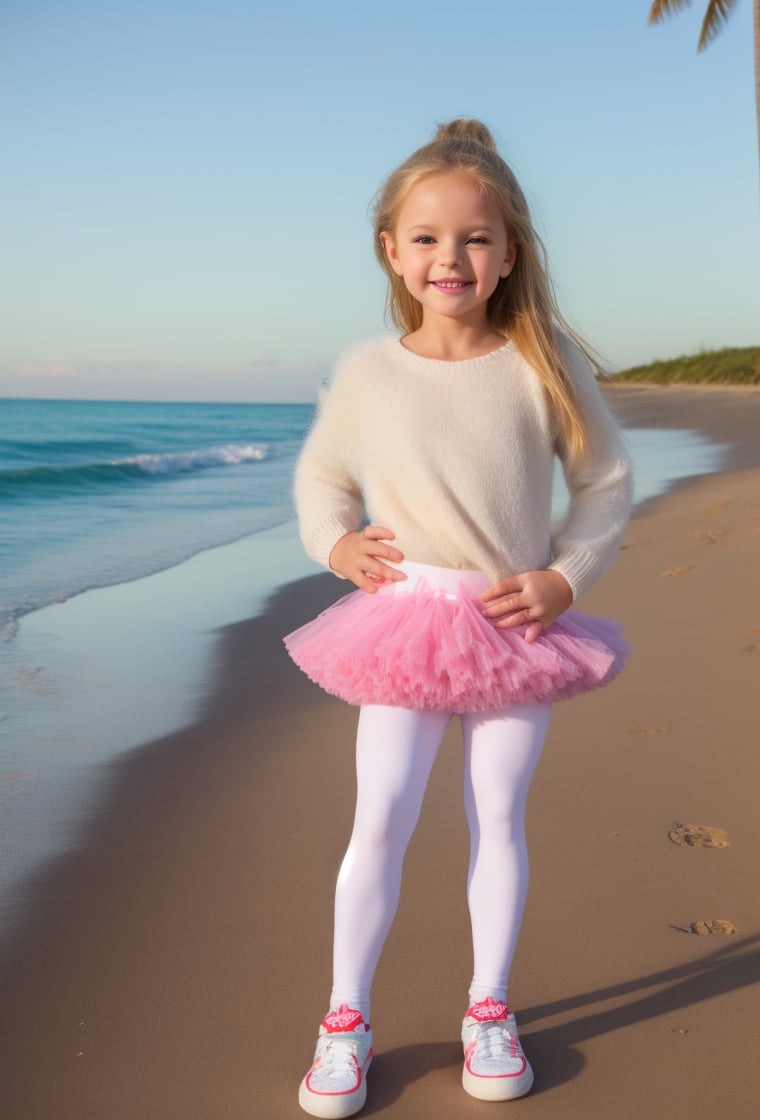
x=386 y=240
x=509 y=259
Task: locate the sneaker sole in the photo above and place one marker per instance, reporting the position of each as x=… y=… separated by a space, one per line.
x=497 y=1088
x=333 y=1106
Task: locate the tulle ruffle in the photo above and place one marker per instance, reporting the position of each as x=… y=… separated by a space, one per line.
x=431 y=651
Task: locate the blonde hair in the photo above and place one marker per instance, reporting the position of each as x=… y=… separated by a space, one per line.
x=522 y=307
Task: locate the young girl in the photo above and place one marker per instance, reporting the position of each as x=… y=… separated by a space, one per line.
x=426 y=481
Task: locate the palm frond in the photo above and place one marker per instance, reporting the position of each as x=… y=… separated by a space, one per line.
x=716 y=15
x=662 y=8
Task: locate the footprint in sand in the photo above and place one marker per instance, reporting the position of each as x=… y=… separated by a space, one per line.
x=712 y=536
x=714 y=925
x=720 y=506
x=678 y=571
x=698 y=836
x=753 y=647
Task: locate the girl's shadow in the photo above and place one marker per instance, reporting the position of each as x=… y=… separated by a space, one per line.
x=394 y=1070
x=553 y=1049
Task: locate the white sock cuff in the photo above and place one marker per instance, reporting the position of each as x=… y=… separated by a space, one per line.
x=357 y=1002
x=479 y=992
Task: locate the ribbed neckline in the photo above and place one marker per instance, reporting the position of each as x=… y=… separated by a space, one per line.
x=439 y=365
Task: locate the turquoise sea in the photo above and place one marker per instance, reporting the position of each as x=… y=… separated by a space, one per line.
x=96 y=493
x=129 y=534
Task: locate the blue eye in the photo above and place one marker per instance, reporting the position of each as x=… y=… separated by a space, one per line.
x=423 y=239
x=477 y=241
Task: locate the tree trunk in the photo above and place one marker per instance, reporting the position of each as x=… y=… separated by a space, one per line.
x=756 y=20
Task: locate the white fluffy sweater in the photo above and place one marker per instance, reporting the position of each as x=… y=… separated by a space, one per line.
x=456 y=458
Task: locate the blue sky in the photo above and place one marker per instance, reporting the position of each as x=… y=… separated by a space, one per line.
x=185 y=184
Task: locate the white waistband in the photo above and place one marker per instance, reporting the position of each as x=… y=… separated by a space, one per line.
x=439 y=579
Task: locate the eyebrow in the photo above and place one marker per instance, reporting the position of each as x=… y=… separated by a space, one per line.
x=424 y=228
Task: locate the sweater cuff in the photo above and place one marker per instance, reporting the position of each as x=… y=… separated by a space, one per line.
x=324 y=538
x=579 y=567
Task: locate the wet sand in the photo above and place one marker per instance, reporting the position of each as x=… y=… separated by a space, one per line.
x=177 y=964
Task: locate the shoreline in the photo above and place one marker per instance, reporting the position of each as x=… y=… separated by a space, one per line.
x=711 y=409
x=91 y=678
x=155 y=955
x=73 y=669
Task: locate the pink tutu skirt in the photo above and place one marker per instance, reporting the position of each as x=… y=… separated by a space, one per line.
x=424 y=644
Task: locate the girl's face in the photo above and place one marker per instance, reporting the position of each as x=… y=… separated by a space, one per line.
x=451 y=247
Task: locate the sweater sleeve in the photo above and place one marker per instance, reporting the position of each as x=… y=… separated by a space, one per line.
x=327 y=494
x=600 y=483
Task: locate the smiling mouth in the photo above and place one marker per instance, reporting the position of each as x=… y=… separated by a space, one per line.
x=451 y=285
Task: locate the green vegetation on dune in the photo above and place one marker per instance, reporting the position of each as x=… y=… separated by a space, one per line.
x=732 y=366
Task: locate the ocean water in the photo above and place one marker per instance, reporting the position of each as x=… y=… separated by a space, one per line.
x=129 y=534
x=97 y=493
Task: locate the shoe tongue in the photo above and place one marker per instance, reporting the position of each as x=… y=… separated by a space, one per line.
x=488 y=1011
x=344 y=1019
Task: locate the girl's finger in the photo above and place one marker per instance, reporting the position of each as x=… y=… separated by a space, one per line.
x=516 y=618
x=509 y=605
x=382 y=572
x=504 y=587
x=380 y=554
x=377 y=533
x=364 y=583
x=533 y=631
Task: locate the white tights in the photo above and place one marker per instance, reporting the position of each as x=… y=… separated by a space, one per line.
x=395 y=752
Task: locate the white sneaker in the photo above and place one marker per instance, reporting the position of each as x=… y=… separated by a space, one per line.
x=495 y=1068
x=335 y=1086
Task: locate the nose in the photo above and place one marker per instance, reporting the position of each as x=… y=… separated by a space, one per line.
x=448 y=254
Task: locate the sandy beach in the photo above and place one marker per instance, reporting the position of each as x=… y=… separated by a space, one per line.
x=176 y=964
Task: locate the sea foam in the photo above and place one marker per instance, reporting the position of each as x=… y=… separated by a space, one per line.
x=179 y=462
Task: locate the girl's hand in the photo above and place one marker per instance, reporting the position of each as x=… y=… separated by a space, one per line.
x=359 y=557
x=533 y=598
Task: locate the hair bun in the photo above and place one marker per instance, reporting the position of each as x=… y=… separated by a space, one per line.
x=466 y=128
